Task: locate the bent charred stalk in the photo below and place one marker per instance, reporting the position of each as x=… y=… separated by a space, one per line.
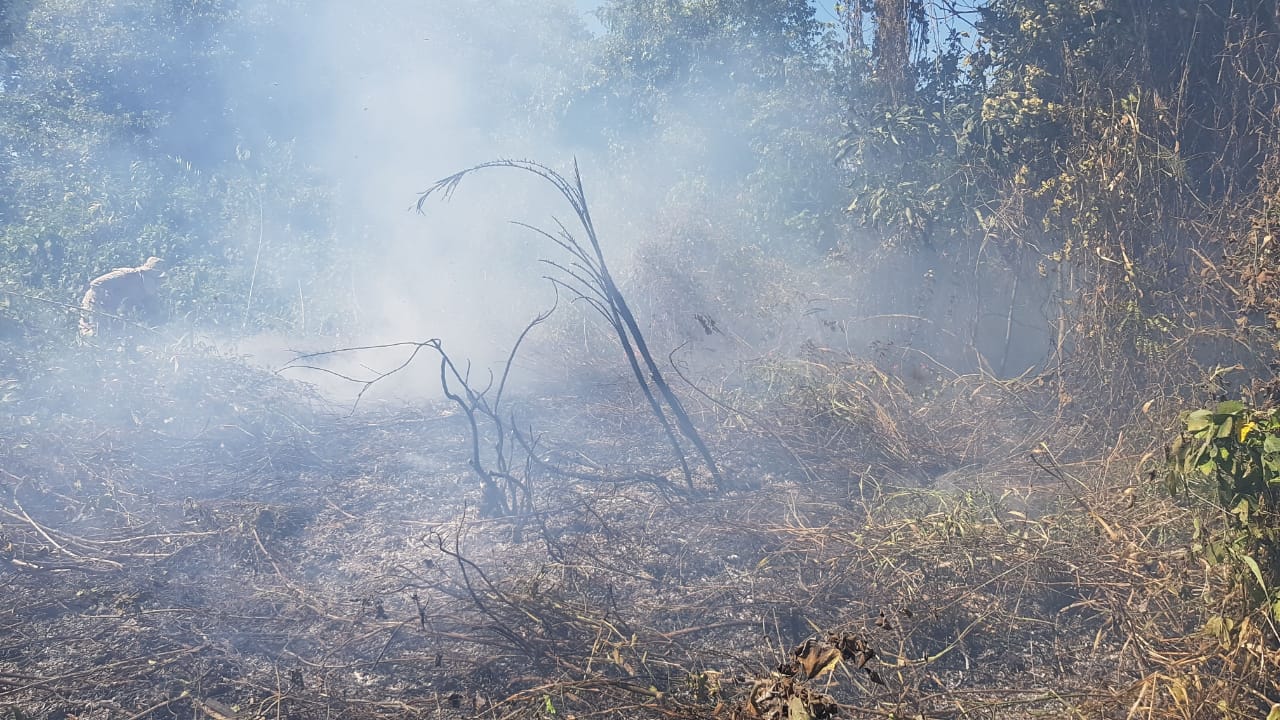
x=587 y=276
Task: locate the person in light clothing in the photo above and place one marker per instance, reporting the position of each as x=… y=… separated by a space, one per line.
x=131 y=290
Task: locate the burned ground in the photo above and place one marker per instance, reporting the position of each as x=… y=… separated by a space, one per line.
x=206 y=539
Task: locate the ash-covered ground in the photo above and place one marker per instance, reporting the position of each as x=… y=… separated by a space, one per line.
x=186 y=535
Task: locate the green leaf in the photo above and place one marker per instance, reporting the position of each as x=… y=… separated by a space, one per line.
x=1230 y=407
x=1194 y=457
x=1224 y=429
x=1257 y=571
x=1199 y=420
x=1271 y=444
x=1215 y=551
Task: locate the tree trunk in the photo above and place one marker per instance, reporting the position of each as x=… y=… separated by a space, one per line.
x=891 y=49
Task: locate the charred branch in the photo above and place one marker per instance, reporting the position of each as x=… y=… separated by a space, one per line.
x=589 y=279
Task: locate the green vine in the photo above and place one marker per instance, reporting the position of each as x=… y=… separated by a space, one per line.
x=1230 y=456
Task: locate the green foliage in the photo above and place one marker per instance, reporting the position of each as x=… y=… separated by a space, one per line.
x=107 y=156
x=743 y=97
x=904 y=179
x=1230 y=456
x=1069 y=146
x=1059 y=124
x=663 y=45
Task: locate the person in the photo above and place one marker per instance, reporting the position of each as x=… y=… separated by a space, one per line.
x=131 y=290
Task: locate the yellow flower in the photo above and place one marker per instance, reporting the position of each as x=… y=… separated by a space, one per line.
x=1246 y=429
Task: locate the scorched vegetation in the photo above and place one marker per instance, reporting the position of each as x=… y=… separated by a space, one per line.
x=875 y=359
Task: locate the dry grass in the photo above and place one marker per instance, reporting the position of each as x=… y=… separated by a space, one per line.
x=285 y=561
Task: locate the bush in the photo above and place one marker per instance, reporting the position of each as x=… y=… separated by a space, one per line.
x=1230 y=456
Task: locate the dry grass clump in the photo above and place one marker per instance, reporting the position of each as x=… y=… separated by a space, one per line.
x=1014 y=580
x=914 y=423
x=1087 y=608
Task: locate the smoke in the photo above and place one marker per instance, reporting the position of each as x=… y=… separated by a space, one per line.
x=384 y=100
x=328 y=118
x=381 y=101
